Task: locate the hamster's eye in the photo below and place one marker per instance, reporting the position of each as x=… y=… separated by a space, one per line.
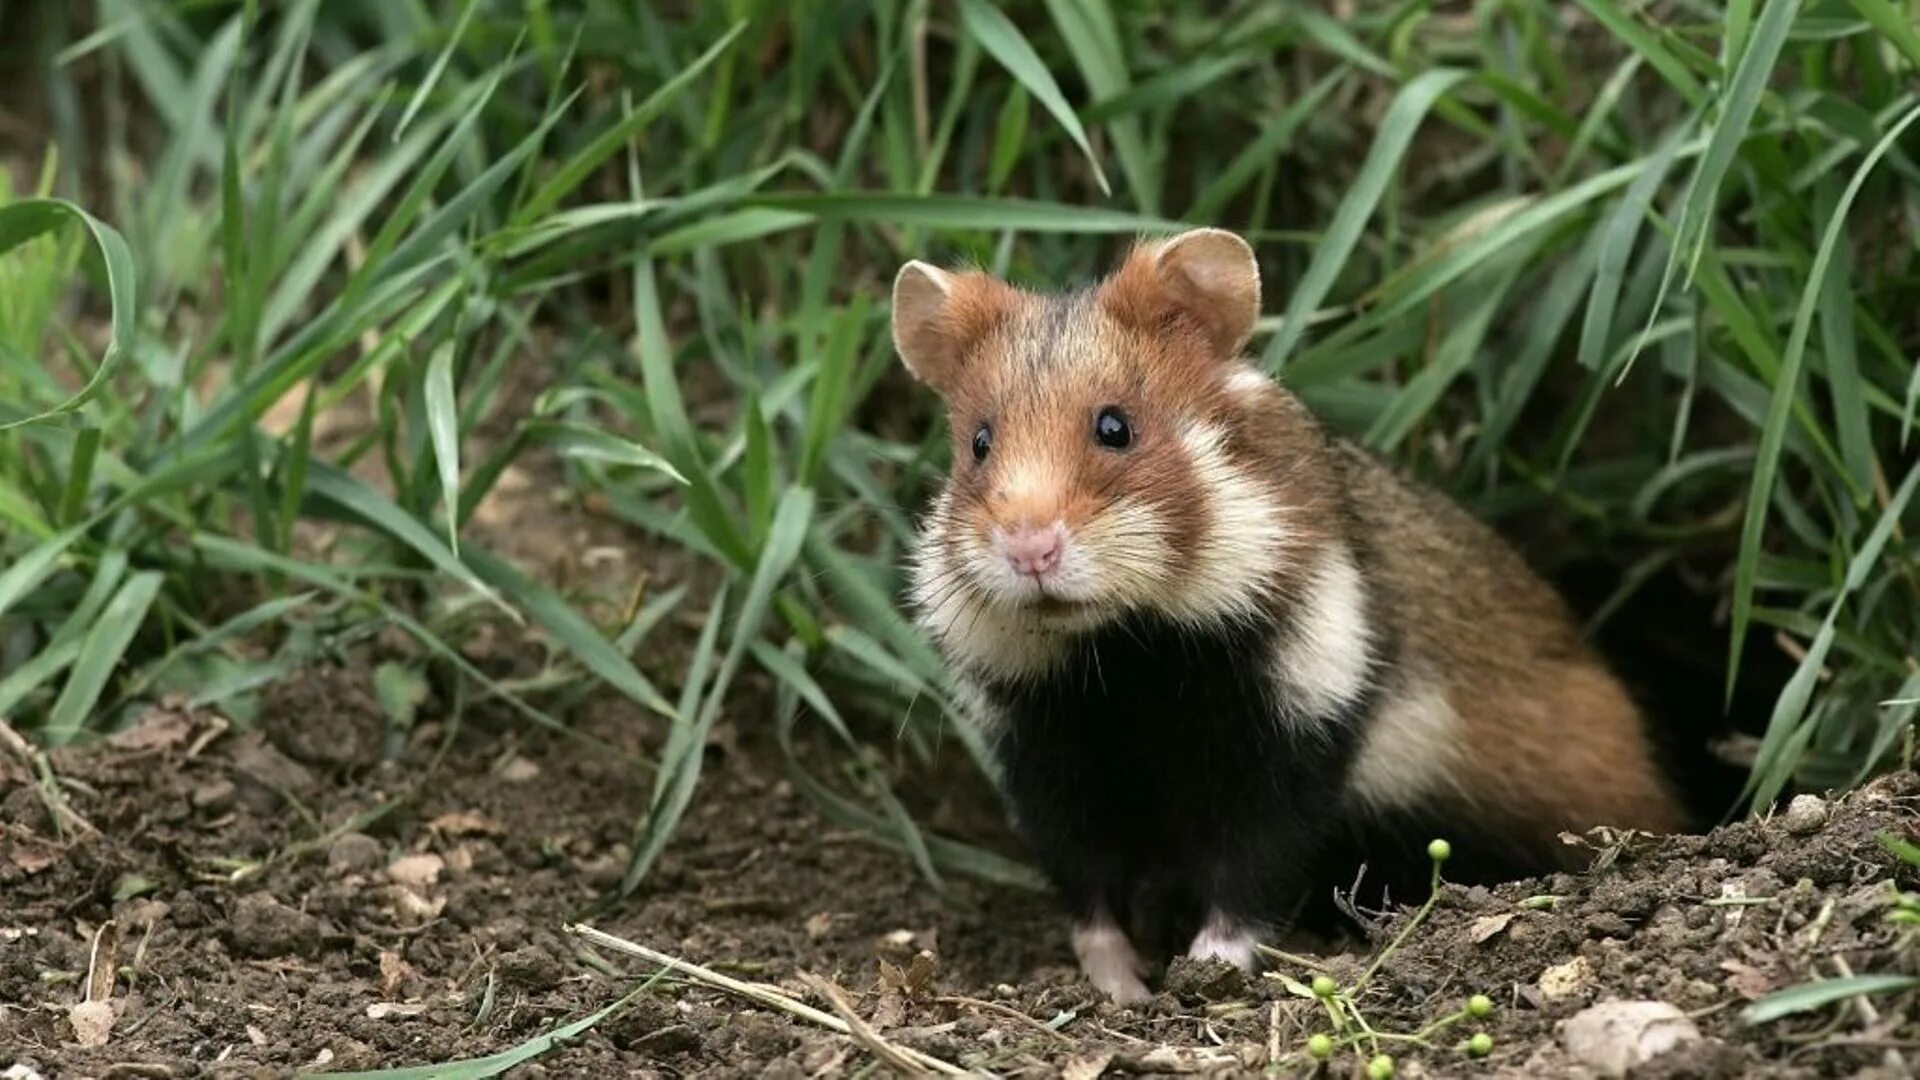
x=982 y=442
x=1111 y=430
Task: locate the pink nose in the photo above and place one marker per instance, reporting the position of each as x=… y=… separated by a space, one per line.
x=1035 y=551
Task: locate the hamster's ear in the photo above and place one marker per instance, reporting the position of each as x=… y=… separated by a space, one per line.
x=938 y=319
x=1208 y=275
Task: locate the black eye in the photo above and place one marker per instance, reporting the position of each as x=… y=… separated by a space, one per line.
x=982 y=442
x=1111 y=429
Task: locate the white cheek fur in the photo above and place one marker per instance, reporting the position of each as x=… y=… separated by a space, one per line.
x=1328 y=661
x=981 y=610
x=1238 y=559
x=1248 y=381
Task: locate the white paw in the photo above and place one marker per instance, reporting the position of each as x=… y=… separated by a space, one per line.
x=1223 y=939
x=1110 y=962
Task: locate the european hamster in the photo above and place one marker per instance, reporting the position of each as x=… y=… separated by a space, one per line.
x=1225 y=657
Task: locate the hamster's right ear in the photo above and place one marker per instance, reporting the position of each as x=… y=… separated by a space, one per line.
x=938 y=317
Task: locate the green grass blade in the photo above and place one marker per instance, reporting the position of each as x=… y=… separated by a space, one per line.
x=1818 y=995
x=1093 y=38
x=1729 y=131
x=966 y=212
x=106 y=643
x=1009 y=136
x=439 y=69
x=358 y=501
x=1261 y=152
x=443 y=425
x=578 y=442
x=680 y=761
x=1785 y=390
x=1403 y=118
x=31 y=569
x=1775 y=763
x=572 y=632
x=27 y=218
x=1610 y=274
x=1003 y=41
x=1839 y=344
x=1895 y=25
x=576 y=169
x=1646 y=44
x=492 y=1065
x=86 y=448
x=63 y=648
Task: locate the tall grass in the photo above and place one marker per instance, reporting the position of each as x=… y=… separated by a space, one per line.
x=1647 y=271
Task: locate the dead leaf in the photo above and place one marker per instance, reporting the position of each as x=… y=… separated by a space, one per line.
x=891 y=1010
x=416 y=910
x=417 y=871
x=518 y=770
x=383 y=1010
x=918 y=983
x=1566 y=980
x=103 y=963
x=819 y=925
x=465 y=823
x=1488 y=927
x=159 y=729
x=1086 y=1068
x=92 y=1022
x=1748 y=981
x=1174 y=1059
x=394 y=970
x=28 y=854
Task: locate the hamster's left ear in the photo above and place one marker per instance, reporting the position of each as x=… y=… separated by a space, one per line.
x=1209 y=276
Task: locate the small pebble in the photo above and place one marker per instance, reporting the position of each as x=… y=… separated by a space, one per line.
x=264 y=927
x=1805 y=815
x=1615 y=1037
x=214 y=797
x=355 y=853
x=530 y=968
x=1566 y=980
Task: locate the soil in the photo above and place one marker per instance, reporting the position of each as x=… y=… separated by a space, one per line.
x=288 y=898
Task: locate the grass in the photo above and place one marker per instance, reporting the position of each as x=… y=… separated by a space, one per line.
x=1644 y=271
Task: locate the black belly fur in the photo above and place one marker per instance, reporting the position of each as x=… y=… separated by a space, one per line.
x=1153 y=776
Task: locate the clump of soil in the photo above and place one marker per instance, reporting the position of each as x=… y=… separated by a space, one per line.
x=275 y=902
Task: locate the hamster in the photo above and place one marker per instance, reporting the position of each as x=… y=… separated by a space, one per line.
x=1225 y=658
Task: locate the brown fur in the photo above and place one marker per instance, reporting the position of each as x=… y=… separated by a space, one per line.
x=1549 y=740
x=1554 y=742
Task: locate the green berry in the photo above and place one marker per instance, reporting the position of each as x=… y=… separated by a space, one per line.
x=1324 y=987
x=1479 y=1006
x=1480 y=1045
x=1320 y=1046
x=1439 y=851
x=1380 y=1068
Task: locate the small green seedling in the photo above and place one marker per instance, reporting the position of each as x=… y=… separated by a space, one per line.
x=1351 y=1031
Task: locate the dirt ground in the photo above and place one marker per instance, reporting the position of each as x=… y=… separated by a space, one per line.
x=314 y=893
x=284 y=899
